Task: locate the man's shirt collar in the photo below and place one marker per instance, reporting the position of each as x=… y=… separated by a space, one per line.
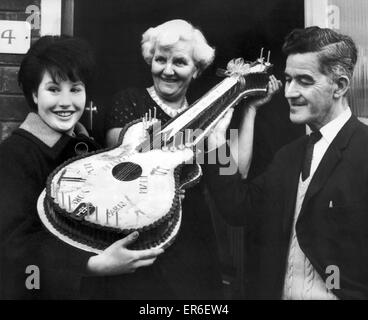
x=331 y=129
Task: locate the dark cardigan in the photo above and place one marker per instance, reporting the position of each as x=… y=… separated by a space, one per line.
x=26 y=159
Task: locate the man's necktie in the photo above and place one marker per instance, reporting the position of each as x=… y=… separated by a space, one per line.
x=312 y=139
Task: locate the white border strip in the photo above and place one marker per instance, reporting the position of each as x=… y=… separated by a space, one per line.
x=50 y=17
x=315 y=13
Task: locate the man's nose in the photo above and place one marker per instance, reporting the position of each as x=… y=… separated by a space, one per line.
x=291 y=90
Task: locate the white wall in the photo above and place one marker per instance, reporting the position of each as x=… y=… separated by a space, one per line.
x=50 y=17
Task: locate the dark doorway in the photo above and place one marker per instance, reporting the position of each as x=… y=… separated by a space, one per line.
x=236 y=28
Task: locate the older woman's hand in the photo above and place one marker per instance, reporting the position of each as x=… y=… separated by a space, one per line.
x=217 y=136
x=274 y=86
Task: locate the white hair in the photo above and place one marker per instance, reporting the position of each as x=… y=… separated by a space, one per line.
x=169 y=33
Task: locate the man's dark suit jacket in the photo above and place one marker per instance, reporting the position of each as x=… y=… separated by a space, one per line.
x=332 y=227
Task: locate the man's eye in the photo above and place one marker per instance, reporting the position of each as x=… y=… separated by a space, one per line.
x=305 y=82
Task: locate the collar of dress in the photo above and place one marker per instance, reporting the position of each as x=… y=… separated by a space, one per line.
x=37 y=127
x=171 y=112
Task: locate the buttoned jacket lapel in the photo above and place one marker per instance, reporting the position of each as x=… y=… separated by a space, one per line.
x=329 y=161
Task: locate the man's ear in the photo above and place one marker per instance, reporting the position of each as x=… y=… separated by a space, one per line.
x=35 y=99
x=342 y=86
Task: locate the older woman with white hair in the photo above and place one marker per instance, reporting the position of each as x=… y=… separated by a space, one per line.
x=189 y=269
x=177 y=53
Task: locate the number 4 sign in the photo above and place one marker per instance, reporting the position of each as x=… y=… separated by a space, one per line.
x=15 y=36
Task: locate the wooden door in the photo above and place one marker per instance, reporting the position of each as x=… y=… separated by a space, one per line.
x=13 y=107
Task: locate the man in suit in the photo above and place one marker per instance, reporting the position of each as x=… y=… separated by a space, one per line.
x=308 y=212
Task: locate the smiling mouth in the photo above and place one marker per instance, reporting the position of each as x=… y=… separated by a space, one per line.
x=295 y=104
x=169 y=80
x=63 y=114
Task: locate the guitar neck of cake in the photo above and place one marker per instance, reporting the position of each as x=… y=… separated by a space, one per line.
x=192 y=119
x=193 y=125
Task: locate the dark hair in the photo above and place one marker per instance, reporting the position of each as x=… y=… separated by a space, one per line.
x=63 y=57
x=337 y=53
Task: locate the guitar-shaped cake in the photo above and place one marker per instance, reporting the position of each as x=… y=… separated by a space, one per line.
x=95 y=199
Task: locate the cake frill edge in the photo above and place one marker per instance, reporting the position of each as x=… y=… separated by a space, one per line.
x=109 y=234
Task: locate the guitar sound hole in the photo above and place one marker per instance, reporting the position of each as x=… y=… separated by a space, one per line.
x=127 y=171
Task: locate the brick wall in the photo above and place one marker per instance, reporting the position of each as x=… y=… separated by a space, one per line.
x=13 y=107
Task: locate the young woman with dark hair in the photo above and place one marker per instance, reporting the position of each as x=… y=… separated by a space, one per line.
x=55 y=76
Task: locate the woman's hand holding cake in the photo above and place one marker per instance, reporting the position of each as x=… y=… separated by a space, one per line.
x=117 y=259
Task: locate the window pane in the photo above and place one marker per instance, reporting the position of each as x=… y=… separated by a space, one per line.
x=350 y=17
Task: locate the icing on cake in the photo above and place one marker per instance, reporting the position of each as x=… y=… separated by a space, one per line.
x=88 y=199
